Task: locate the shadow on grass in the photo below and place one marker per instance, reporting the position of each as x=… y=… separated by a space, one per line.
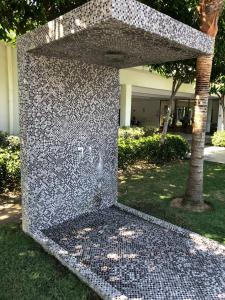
x=30 y=273
x=152 y=190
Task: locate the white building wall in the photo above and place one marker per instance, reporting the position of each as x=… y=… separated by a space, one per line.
x=4 y=122
x=146 y=111
x=141 y=77
x=125 y=104
x=9 y=114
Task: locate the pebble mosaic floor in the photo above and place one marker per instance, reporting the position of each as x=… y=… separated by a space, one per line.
x=142 y=259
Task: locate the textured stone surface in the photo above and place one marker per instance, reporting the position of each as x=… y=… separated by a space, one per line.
x=143 y=259
x=69 y=101
x=68 y=117
x=140 y=35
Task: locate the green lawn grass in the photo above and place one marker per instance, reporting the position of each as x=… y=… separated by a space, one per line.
x=151 y=191
x=27 y=272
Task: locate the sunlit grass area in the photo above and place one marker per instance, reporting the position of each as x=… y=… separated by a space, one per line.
x=151 y=191
x=27 y=272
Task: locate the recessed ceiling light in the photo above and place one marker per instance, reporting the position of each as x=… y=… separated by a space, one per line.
x=114 y=56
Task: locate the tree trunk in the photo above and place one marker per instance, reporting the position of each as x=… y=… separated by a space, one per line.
x=175 y=88
x=194 y=191
x=167 y=118
x=210 y=11
x=174 y=123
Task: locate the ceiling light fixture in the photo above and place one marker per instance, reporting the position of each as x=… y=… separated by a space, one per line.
x=114 y=56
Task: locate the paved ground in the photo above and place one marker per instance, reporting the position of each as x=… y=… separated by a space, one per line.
x=215 y=154
x=142 y=259
x=188 y=137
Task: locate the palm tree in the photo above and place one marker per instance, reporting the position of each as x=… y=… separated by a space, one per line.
x=210 y=11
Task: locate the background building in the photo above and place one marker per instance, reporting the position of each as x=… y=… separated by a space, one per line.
x=144 y=96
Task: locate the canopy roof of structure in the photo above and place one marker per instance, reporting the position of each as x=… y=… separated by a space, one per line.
x=118 y=33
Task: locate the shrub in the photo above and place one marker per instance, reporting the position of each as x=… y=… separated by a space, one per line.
x=9 y=162
x=9 y=170
x=131 y=132
x=127 y=152
x=218 y=139
x=150 y=131
x=174 y=148
x=3 y=139
x=136 y=132
x=151 y=150
x=9 y=141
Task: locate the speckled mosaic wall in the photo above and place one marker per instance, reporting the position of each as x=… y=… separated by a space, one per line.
x=141 y=34
x=69 y=129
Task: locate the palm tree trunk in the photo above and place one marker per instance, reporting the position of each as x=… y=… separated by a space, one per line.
x=194 y=190
x=210 y=11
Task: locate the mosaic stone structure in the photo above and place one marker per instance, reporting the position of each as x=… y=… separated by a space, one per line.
x=69 y=128
x=69 y=101
x=141 y=257
x=69 y=108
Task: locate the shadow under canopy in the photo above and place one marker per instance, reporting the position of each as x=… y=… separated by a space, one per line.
x=69 y=106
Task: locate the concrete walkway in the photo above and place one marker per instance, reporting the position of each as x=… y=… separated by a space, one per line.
x=215 y=154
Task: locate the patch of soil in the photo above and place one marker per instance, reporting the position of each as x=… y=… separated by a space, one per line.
x=138 y=166
x=10 y=208
x=179 y=203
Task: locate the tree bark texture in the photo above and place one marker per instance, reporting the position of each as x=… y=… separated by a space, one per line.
x=209 y=11
x=194 y=190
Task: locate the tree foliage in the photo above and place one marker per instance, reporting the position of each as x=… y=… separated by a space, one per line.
x=181 y=10
x=186 y=11
x=180 y=72
x=20 y=16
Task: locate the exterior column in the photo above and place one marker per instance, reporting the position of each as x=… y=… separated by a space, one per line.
x=209 y=116
x=220 y=123
x=125 y=105
x=10 y=89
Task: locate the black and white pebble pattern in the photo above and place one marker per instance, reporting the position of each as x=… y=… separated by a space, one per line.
x=142 y=259
x=100 y=30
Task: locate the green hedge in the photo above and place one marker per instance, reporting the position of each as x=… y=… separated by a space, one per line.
x=9 y=162
x=218 y=139
x=130 y=150
x=136 y=132
x=150 y=149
